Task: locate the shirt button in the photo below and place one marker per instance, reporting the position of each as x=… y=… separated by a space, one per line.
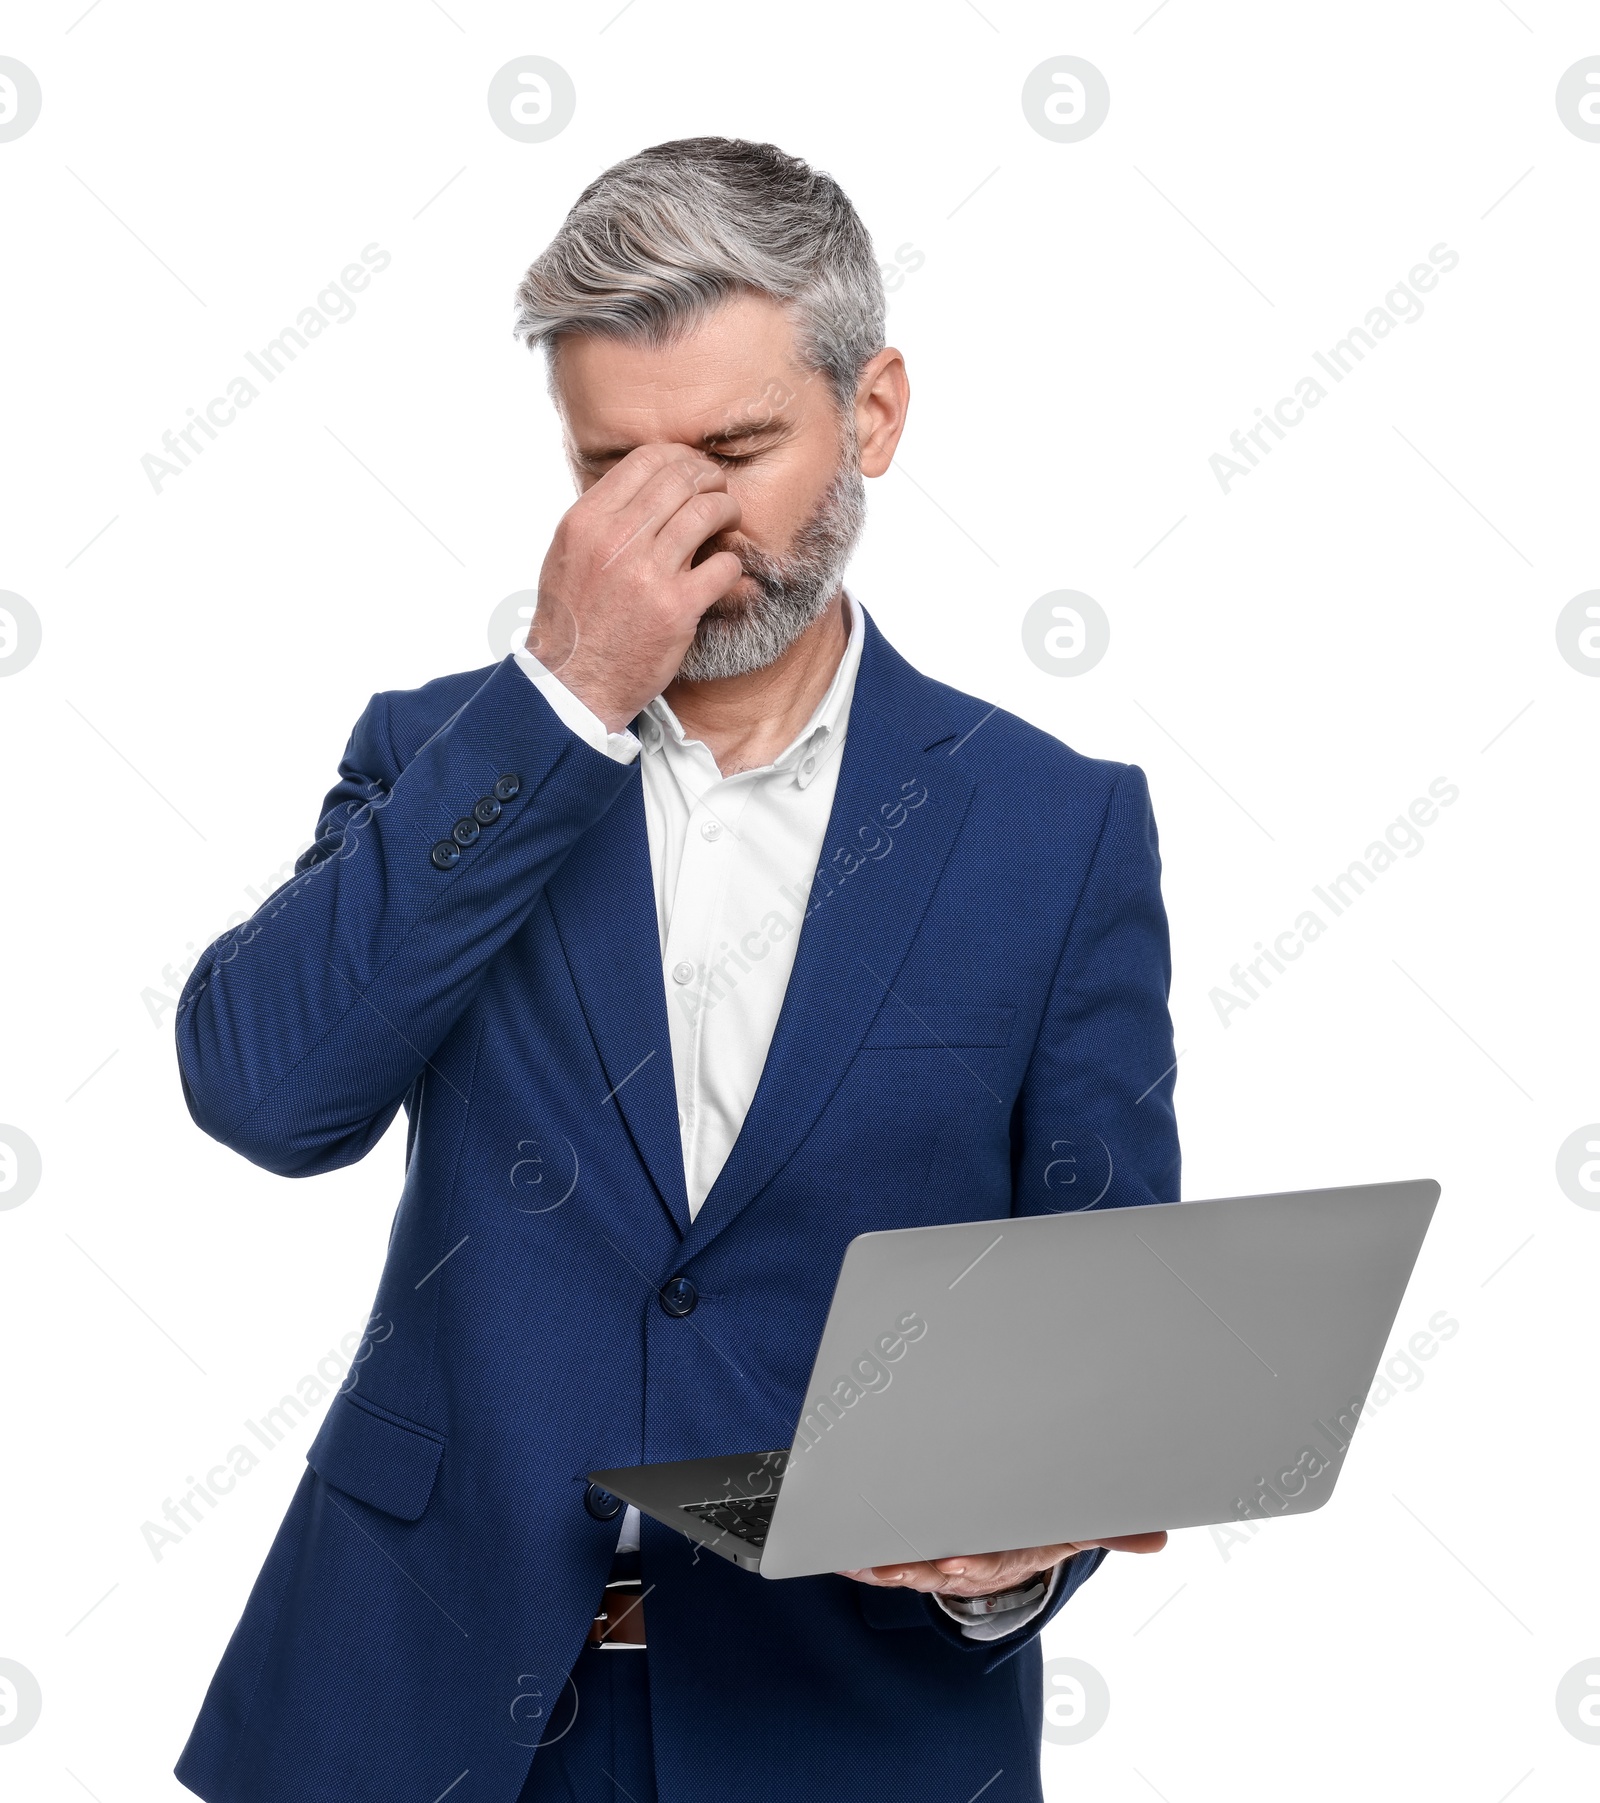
x=710 y=830
x=808 y=766
x=681 y=973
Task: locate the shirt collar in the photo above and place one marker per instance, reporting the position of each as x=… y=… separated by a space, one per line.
x=658 y=726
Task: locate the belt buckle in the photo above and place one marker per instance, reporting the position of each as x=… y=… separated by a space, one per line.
x=620 y=1621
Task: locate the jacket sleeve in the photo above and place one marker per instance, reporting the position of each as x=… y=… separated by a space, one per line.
x=1095 y=1126
x=300 y=1031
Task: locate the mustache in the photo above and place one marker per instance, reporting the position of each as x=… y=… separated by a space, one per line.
x=830 y=515
x=766 y=572
x=737 y=635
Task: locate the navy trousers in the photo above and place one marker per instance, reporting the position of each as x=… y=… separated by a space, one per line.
x=597 y=1747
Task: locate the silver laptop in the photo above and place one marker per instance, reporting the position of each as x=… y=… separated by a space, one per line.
x=1049 y=1378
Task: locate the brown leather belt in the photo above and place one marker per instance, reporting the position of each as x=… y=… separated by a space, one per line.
x=620 y=1621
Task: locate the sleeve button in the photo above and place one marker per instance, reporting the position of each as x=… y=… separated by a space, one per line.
x=465 y=831
x=445 y=854
x=487 y=812
x=508 y=786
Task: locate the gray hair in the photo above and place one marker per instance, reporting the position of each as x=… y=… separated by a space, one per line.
x=663 y=237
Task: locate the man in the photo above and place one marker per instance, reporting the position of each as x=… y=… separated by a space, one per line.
x=695 y=938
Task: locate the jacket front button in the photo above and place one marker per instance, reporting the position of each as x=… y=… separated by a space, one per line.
x=509 y=785
x=679 y=1296
x=601 y=1504
x=445 y=854
x=465 y=831
x=487 y=812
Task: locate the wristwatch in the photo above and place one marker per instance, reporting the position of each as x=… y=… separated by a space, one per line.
x=998 y=1602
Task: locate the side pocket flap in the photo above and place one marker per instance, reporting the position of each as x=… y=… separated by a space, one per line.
x=376 y=1457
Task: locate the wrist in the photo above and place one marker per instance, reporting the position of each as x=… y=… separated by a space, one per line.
x=614 y=682
x=599 y=696
x=1000 y=1602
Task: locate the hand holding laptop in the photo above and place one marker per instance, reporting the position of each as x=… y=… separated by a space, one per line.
x=987 y=1572
x=1174 y=1363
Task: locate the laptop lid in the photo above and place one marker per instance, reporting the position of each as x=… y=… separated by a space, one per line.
x=1040 y=1379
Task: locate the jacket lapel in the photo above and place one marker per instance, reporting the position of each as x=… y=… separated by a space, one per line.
x=603 y=902
x=860 y=921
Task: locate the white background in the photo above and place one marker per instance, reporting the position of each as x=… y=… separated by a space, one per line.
x=1371 y=609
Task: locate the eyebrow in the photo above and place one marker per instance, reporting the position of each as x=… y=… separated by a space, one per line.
x=734 y=434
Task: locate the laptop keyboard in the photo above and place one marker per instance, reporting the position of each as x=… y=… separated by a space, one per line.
x=746 y=1518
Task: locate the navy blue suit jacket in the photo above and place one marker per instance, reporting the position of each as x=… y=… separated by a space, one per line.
x=976 y=1026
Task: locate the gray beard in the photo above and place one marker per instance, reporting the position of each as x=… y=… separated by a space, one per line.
x=795 y=589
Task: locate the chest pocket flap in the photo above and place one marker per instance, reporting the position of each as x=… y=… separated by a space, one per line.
x=914 y=1023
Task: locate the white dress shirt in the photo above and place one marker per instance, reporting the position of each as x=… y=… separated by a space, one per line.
x=732 y=859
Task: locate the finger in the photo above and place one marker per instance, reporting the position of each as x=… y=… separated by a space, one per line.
x=623 y=481
x=979 y=1569
x=1024 y=1558
x=983 y=1583
x=673 y=484
x=664 y=491
x=696 y=518
x=656 y=503
x=1136 y=1543
x=709 y=581
x=915 y=1575
x=886 y=1574
x=863 y=1574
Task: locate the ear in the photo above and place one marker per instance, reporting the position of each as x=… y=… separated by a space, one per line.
x=883 y=395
